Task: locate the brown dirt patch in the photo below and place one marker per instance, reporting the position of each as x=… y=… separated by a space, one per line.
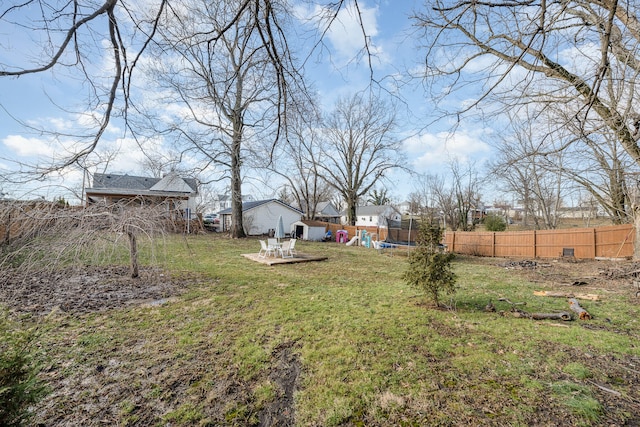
x=280 y=411
x=577 y=276
x=85 y=290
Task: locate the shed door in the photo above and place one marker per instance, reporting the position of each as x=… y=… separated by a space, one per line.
x=300 y=231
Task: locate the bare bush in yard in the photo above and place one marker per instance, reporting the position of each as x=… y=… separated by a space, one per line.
x=41 y=235
x=429 y=266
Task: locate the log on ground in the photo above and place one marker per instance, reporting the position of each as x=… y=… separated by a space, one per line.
x=574 y=305
x=590 y=297
x=563 y=315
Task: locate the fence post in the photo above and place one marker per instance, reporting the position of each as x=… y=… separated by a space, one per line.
x=535 y=244
x=595 y=246
x=493 y=246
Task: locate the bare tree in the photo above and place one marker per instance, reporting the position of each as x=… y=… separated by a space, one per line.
x=359 y=148
x=417 y=203
x=72 y=33
x=583 y=54
x=466 y=190
x=532 y=171
x=159 y=164
x=67 y=38
x=455 y=196
x=435 y=193
x=596 y=162
x=541 y=169
x=214 y=63
x=424 y=200
x=297 y=161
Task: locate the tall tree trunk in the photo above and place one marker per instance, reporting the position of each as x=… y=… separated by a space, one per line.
x=237 y=226
x=351 y=210
x=636 y=224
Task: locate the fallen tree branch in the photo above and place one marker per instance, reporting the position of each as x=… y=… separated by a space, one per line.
x=512 y=303
x=574 y=305
x=608 y=390
x=563 y=315
x=558 y=325
x=590 y=297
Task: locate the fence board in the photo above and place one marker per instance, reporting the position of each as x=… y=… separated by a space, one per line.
x=585 y=243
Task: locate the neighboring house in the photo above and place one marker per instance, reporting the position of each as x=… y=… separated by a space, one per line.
x=476 y=215
x=223 y=201
x=579 y=212
x=405 y=208
x=325 y=211
x=309 y=230
x=178 y=193
x=384 y=216
x=261 y=216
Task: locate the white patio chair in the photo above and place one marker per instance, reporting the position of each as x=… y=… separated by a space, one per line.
x=285 y=250
x=265 y=250
x=292 y=248
x=273 y=244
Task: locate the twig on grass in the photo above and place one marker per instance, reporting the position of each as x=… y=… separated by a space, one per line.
x=603 y=388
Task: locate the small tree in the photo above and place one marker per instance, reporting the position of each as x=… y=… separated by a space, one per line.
x=493 y=222
x=20 y=386
x=430 y=267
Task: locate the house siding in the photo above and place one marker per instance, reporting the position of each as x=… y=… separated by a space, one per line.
x=263 y=217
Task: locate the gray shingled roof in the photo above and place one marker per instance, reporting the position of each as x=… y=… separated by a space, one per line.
x=250 y=205
x=103 y=181
x=371 y=210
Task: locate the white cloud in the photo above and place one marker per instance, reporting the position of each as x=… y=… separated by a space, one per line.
x=28 y=147
x=346 y=31
x=130 y=155
x=346 y=34
x=582 y=59
x=431 y=152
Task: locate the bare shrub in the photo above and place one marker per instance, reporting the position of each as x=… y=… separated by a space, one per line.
x=41 y=235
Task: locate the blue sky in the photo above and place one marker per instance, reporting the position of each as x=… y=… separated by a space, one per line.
x=31 y=99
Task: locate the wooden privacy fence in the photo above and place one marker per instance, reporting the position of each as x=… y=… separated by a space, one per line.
x=585 y=243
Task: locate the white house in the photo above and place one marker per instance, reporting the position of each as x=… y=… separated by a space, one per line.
x=261 y=216
x=376 y=216
x=309 y=230
x=405 y=208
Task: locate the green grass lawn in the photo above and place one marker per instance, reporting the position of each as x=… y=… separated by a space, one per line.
x=364 y=347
